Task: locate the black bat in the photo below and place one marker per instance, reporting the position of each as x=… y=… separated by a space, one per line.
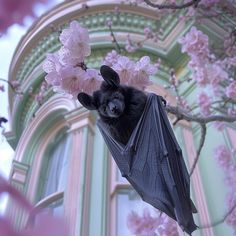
x=151 y=159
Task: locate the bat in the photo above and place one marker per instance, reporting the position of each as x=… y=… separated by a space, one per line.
x=151 y=159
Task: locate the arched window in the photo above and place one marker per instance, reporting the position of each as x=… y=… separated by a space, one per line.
x=53 y=177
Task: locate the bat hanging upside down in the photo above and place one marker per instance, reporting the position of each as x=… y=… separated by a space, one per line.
x=138 y=134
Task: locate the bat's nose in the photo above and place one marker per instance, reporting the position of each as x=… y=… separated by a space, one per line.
x=113 y=108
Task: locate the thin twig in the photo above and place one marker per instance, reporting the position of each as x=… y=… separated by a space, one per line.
x=210 y=225
x=193 y=3
x=201 y=144
x=11 y=86
x=118 y=48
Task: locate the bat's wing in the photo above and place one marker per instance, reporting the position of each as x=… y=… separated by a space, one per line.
x=152 y=162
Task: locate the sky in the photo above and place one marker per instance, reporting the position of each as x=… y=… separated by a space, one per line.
x=8 y=43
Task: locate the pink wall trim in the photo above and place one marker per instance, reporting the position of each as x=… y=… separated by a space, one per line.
x=232 y=136
x=196 y=181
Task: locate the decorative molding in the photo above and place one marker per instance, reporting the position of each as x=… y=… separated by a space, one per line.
x=80 y=118
x=200 y=199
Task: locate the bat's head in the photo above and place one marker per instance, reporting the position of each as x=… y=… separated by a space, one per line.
x=109 y=101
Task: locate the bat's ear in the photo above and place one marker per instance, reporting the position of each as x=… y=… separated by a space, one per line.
x=87 y=101
x=110 y=76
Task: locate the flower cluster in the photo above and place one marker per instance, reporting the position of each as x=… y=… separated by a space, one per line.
x=224 y=158
x=204 y=102
x=67 y=73
x=209 y=3
x=147 y=225
x=208 y=73
x=14 y=11
x=45 y=224
x=65 y=69
x=132 y=73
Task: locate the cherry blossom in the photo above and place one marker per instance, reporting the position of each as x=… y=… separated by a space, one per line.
x=14 y=11
x=71 y=80
x=223 y=156
x=209 y=3
x=45 y=224
x=92 y=81
x=148 y=225
x=111 y=58
x=145 y=225
x=230 y=177
x=70 y=57
x=204 y=101
x=76 y=39
x=196 y=44
x=231 y=90
x=219 y=125
x=231 y=201
x=15 y=83
x=52 y=67
x=125 y=68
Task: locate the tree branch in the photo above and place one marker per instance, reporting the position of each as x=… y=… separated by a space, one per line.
x=184 y=115
x=193 y=3
x=219 y=221
x=202 y=121
x=118 y=48
x=201 y=144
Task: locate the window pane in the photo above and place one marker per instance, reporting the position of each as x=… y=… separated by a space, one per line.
x=57 y=168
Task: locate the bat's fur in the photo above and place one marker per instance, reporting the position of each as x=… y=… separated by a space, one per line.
x=119 y=106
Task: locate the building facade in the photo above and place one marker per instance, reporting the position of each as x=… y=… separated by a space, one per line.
x=61 y=161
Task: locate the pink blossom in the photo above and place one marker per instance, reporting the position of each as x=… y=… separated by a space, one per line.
x=216 y=74
x=209 y=3
x=125 y=68
x=14 y=11
x=168 y=227
x=148 y=33
x=111 y=58
x=129 y=45
x=204 y=101
x=223 y=156
x=230 y=178
x=17 y=196
x=195 y=43
x=200 y=76
x=2 y=88
x=231 y=111
x=219 y=125
x=52 y=66
x=231 y=201
x=142 y=225
x=39 y=97
x=231 y=90
x=46 y=224
x=92 y=81
x=52 y=63
x=69 y=57
x=14 y=83
x=148 y=225
x=183 y=103
x=76 y=39
x=71 y=80
x=143 y=69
